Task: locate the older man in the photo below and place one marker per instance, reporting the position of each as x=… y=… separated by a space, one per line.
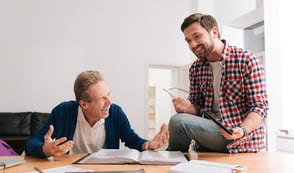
x=88 y=124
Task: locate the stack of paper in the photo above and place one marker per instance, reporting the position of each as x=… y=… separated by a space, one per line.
x=207 y=167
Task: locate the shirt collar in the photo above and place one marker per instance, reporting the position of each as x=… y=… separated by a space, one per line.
x=81 y=118
x=225 y=53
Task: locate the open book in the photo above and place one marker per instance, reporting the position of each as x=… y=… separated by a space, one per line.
x=132 y=156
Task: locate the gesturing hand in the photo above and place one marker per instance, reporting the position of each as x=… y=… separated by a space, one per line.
x=160 y=139
x=53 y=147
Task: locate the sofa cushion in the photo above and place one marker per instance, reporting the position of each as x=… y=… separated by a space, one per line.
x=17 y=128
x=15 y=124
x=37 y=120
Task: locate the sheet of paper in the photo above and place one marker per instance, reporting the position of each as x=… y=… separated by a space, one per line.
x=190 y=168
x=129 y=171
x=207 y=167
x=63 y=169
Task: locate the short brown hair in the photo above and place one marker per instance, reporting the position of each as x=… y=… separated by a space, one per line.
x=206 y=21
x=83 y=81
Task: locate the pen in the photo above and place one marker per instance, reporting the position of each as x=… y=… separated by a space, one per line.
x=39 y=170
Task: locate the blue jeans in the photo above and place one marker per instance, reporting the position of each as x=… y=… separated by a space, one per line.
x=184 y=127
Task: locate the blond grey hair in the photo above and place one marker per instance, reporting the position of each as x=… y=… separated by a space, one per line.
x=82 y=83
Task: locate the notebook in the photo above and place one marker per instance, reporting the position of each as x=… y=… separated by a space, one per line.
x=11 y=160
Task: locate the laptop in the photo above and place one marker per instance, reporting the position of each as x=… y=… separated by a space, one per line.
x=11 y=160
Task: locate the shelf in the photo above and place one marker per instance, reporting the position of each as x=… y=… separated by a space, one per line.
x=249 y=19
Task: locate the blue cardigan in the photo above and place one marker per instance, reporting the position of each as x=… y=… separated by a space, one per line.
x=64 y=119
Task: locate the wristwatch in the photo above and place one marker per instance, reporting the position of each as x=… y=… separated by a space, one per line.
x=245 y=133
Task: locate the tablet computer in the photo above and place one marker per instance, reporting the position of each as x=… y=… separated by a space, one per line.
x=229 y=131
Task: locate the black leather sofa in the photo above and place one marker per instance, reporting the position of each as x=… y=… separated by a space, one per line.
x=17 y=127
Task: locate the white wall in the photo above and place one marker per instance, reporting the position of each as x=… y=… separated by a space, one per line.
x=273 y=60
x=231 y=11
x=286 y=60
x=45 y=44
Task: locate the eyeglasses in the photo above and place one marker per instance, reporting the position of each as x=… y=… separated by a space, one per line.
x=179 y=89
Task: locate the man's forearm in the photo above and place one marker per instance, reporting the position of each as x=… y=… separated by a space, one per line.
x=252 y=121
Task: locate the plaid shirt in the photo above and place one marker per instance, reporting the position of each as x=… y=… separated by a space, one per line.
x=242 y=90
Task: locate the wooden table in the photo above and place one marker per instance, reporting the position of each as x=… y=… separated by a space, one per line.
x=262 y=162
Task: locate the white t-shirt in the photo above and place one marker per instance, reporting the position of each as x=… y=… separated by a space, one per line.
x=217 y=71
x=88 y=139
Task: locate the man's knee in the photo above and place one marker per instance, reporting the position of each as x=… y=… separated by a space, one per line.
x=175 y=120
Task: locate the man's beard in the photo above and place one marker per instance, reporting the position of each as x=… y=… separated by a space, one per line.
x=206 y=53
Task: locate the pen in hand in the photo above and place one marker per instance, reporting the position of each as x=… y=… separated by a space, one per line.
x=39 y=170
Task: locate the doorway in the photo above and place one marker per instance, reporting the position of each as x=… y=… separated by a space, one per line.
x=160 y=107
